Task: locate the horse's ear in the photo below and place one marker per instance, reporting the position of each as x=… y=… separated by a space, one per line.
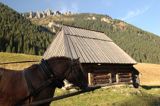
x=78 y=58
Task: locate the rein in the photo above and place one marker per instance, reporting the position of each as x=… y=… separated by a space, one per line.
x=51 y=78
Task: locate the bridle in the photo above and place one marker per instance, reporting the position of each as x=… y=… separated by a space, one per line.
x=51 y=79
x=45 y=68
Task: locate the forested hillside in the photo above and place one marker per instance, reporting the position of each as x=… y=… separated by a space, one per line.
x=19 y=35
x=141 y=45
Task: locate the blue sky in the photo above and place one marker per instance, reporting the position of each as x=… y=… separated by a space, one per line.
x=141 y=13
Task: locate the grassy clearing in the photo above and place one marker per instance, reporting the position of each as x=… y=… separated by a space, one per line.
x=149 y=74
x=13 y=57
x=113 y=96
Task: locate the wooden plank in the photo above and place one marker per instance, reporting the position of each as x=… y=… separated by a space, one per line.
x=89 y=79
x=124 y=73
x=110 y=79
x=100 y=73
x=102 y=77
x=101 y=82
x=125 y=80
x=124 y=77
x=117 y=78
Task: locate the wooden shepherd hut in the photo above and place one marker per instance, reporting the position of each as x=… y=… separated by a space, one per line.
x=104 y=61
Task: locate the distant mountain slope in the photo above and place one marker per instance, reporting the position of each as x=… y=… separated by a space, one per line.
x=19 y=35
x=141 y=45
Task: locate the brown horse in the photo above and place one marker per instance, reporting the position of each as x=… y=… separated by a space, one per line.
x=22 y=86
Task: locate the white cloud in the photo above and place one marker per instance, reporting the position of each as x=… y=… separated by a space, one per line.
x=64 y=7
x=135 y=13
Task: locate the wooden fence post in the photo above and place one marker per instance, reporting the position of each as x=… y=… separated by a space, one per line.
x=90 y=79
x=117 y=78
x=110 y=79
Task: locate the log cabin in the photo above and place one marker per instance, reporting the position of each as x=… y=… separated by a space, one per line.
x=104 y=62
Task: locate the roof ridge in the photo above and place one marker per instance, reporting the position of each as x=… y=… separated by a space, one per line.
x=89 y=37
x=81 y=28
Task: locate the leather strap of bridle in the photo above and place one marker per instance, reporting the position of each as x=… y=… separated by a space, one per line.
x=45 y=68
x=50 y=73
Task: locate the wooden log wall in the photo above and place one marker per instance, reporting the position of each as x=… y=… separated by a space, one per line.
x=101 y=78
x=108 y=74
x=125 y=77
x=109 y=78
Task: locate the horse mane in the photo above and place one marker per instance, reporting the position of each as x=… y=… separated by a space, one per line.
x=58 y=58
x=32 y=67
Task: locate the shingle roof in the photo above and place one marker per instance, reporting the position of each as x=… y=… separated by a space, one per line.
x=90 y=46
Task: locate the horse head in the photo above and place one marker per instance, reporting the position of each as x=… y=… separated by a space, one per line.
x=69 y=69
x=76 y=74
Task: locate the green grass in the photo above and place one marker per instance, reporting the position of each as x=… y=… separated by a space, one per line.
x=113 y=96
x=14 y=57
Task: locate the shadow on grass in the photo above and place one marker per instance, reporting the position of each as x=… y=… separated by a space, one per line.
x=149 y=87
